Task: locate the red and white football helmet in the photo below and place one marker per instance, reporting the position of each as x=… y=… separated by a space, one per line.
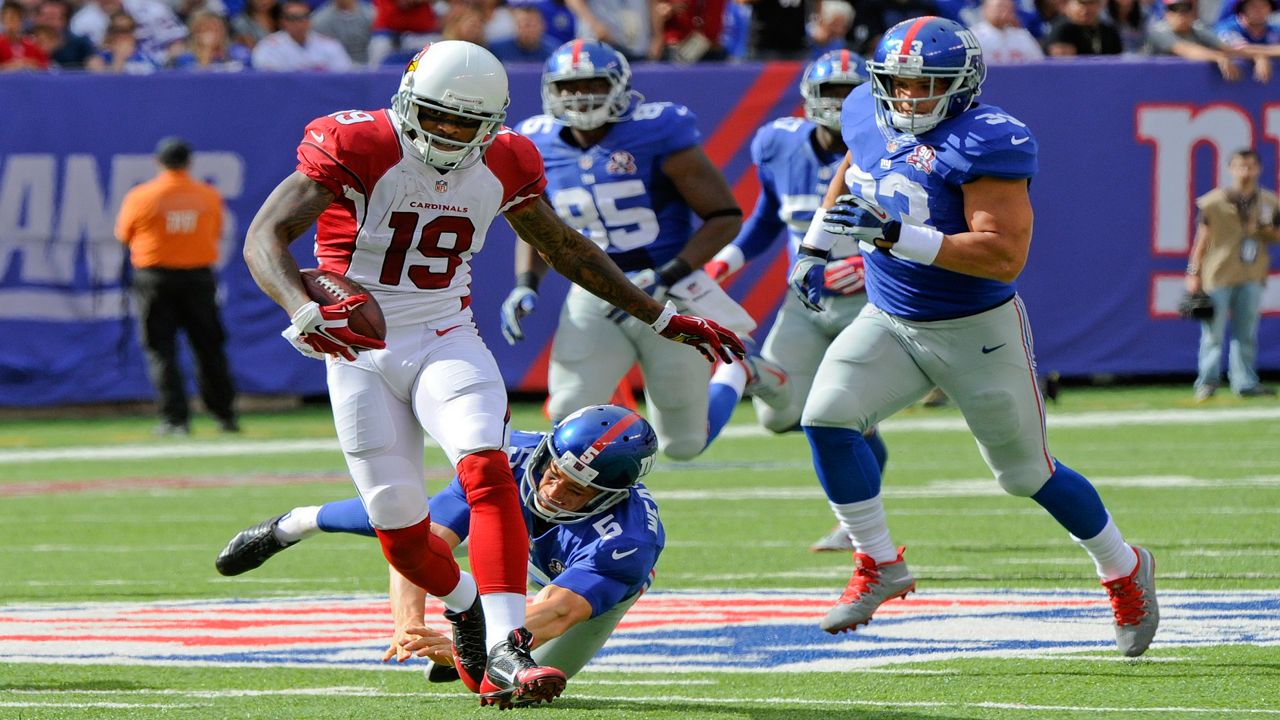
x=456 y=78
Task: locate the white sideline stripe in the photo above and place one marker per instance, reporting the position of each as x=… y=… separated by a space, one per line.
x=273 y=447
x=378 y=692
x=104 y=705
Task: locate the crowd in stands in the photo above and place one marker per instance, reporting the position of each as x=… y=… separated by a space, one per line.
x=146 y=36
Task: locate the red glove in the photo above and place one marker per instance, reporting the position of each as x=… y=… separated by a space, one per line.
x=845 y=276
x=717 y=270
x=324 y=328
x=713 y=341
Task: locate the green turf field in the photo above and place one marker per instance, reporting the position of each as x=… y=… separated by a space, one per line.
x=89 y=514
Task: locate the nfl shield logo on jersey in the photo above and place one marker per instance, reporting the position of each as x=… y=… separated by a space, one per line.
x=922 y=159
x=442 y=186
x=621 y=162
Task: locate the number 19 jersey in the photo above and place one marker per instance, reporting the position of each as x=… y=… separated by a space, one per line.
x=403 y=229
x=615 y=192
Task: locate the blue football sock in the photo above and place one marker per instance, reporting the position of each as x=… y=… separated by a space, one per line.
x=345 y=516
x=1073 y=502
x=845 y=464
x=723 y=399
x=878 y=448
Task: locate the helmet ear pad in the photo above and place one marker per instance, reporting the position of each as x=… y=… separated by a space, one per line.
x=457 y=78
x=605 y=447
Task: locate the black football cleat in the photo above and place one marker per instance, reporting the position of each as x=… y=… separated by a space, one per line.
x=513 y=678
x=469 y=649
x=251 y=547
x=437 y=673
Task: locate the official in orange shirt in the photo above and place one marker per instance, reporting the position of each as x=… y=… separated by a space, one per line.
x=171 y=225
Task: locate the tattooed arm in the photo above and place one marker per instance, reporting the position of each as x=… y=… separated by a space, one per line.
x=290 y=209
x=580 y=260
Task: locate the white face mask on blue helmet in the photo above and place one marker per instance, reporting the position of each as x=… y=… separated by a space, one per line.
x=587 y=60
x=605 y=447
x=941 y=50
x=838 y=67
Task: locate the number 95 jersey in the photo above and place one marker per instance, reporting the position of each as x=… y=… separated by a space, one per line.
x=615 y=192
x=919 y=180
x=404 y=229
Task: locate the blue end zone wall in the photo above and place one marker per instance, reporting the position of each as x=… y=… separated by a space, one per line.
x=1125 y=148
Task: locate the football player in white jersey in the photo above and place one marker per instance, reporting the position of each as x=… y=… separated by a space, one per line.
x=402 y=198
x=631 y=175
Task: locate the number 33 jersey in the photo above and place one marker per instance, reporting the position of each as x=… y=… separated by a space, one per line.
x=615 y=192
x=919 y=180
x=404 y=229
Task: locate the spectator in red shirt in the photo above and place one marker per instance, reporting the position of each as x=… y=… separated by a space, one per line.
x=690 y=30
x=18 y=51
x=400 y=26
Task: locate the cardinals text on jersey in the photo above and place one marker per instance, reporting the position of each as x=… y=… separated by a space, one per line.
x=402 y=228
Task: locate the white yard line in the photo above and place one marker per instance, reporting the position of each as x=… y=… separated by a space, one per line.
x=102 y=705
x=274 y=447
x=1128 y=711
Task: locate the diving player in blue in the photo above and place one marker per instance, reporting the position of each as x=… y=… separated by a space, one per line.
x=594 y=531
x=935 y=189
x=630 y=175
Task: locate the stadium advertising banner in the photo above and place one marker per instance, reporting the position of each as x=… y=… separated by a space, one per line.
x=1126 y=146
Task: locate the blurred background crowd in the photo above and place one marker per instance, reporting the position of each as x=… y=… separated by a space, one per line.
x=147 y=36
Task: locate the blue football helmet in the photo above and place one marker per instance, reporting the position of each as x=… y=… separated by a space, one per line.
x=838 y=67
x=942 y=50
x=605 y=447
x=585 y=60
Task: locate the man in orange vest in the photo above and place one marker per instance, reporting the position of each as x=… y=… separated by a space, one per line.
x=171 y=226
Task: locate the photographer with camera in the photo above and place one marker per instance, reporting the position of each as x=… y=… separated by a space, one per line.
x=1229 y=263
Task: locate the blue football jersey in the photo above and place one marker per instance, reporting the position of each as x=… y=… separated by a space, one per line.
x=794 y=175
x=1231 y=32
x=615 y=192
x=603 y=558
x=918 y=180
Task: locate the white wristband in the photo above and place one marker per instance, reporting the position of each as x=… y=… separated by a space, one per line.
x=668 y=312
x=918 y=243
x=818 y=238
x=306 y=318
x=732 y=257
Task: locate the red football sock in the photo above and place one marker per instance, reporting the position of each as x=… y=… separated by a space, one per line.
x=499 y=542
x=426 y=560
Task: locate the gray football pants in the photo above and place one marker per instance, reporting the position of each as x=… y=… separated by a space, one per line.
x=591 y=353
x=797 y=341
x=985 y=363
